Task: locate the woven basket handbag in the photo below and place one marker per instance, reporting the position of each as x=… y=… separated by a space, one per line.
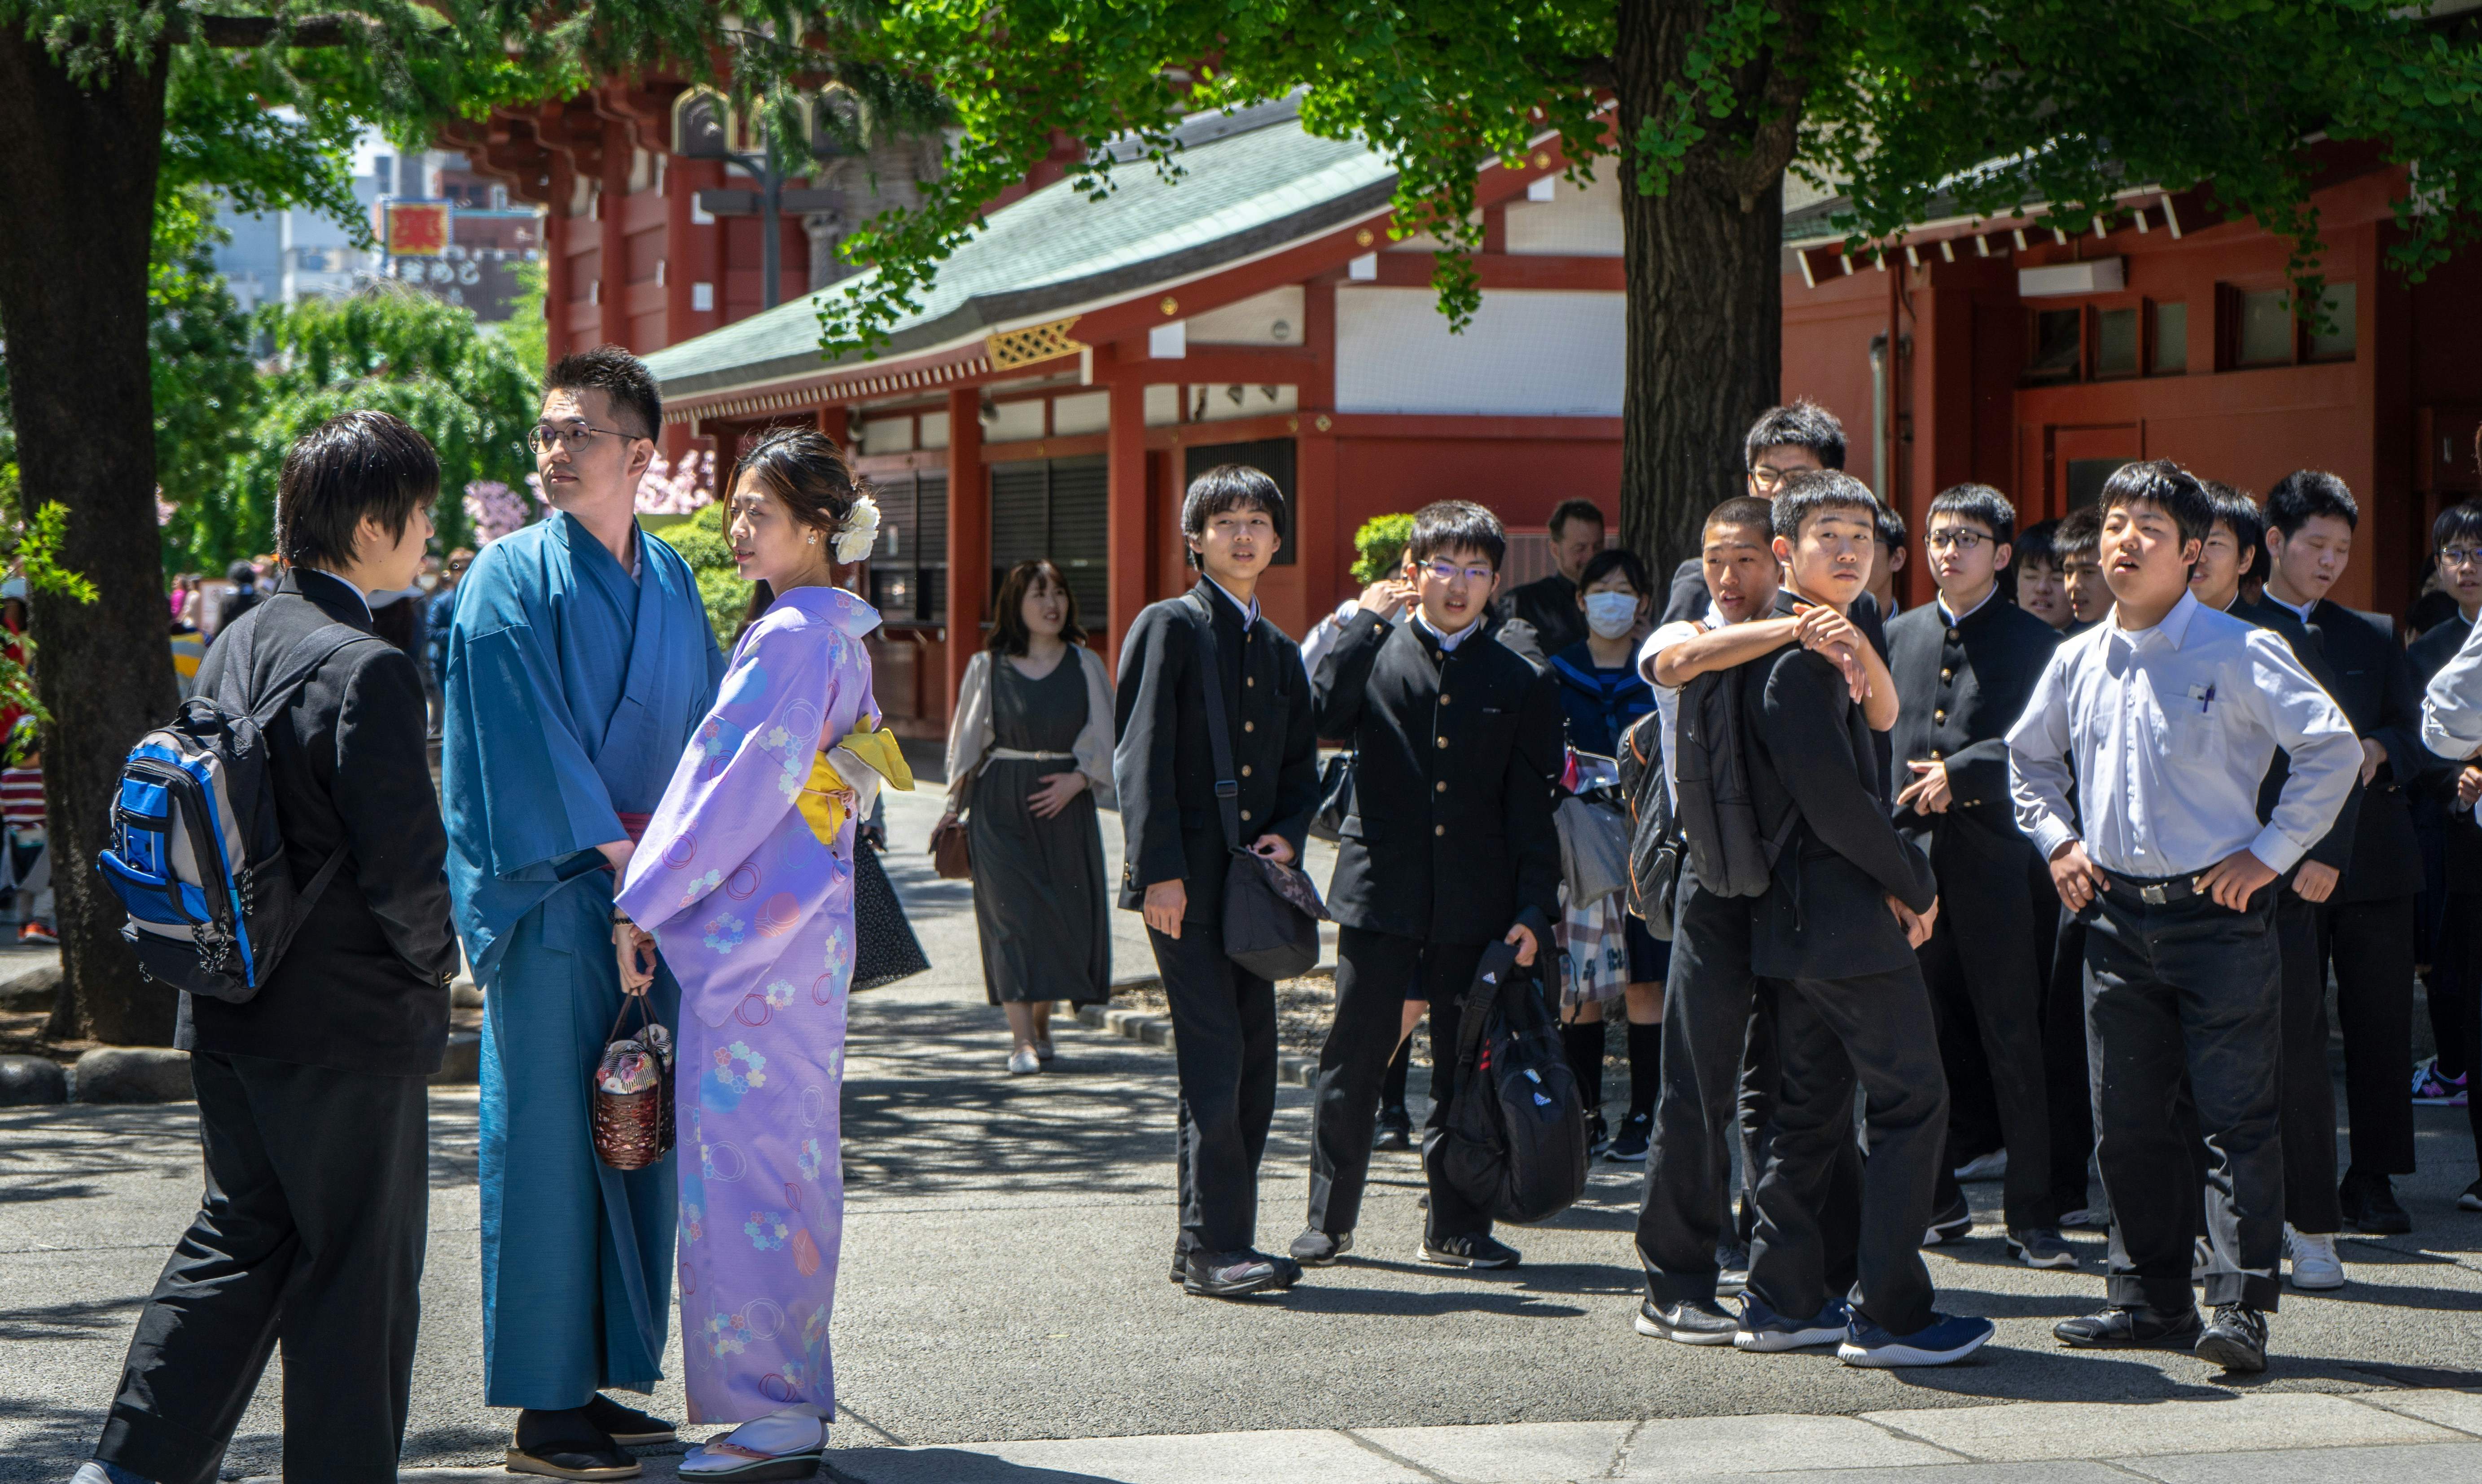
x=633 y=1130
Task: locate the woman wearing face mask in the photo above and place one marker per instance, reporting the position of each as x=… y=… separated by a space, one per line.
x=1610 y=953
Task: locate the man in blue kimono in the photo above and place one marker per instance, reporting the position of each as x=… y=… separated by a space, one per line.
x=579 y=663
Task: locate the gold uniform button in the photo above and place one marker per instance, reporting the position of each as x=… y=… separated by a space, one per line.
x=1250 y=680
x=1443 y=698
x=1935 y=754
x=1245 y=813
x=1938 y=716
x=1948 y=674
x=1444 y=741
x=1442 y=785
x=1439 y=829
x=1244 y=769
x=1249 y=725
x=1951 y=634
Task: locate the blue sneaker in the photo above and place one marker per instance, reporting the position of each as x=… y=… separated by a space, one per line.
x=1945 y=1340
x=1767 y=1331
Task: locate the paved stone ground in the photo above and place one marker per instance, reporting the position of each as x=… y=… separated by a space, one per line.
x=1004 y=1285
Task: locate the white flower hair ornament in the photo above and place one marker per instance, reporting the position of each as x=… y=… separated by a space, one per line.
x=859 y=530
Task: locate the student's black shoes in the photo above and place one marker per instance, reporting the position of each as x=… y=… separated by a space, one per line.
x=1732 y=1268
x=1479 y=1251
x=1599 y=1135
x=2370 y=1206
x=2040 y=1247
x=2131 y=1329
x=1396 y=1129
x=1315 y=1248
x=2236 y=1340
x=1949 y=1225
x=1636 y=1132
x=2472 y=1200
x=628 y=1426
x=1689 y=1322
x=564 y=1444
x=1232 y=1274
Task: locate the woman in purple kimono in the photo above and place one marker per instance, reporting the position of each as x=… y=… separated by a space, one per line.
x=745 y=883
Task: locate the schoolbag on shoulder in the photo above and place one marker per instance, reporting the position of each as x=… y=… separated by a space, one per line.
x=1514 y=1142
x=1654 y=840
x=196 y=854
x=1716 y=810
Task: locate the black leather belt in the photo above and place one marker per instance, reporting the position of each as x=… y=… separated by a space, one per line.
x=2155 y=891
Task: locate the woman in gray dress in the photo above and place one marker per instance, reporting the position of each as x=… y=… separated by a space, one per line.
x=1029 y=760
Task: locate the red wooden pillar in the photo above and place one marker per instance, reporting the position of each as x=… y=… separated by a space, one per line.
x=1319 y=544
x=969 y=531
x=611 y=206
x=1126 y=559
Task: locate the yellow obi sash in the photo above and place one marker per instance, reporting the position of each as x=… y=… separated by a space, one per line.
x=837 y=791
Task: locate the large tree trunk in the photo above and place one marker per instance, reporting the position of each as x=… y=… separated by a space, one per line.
x=79 y=177
x=1706 y=296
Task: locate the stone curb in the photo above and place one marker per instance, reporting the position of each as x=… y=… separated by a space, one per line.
x=33 y=987
x=1156 y=1029
x=131 y=1074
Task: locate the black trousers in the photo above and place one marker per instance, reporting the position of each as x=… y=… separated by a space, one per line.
x=2189 y=985
x=2371 y=947
x=1375 y=974
x=310 y=1236
x=1875 y=1029
x=2065 y=1074
x=2307 y=1111
x=1979 y=966
x=1224 y=1048
x=2458 y=959
x=1719 y=1082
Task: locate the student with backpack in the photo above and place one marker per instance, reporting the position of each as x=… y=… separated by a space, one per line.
x=1718 y=1070
x=2166 y=716
x=1177 y=860
x=310 y=1076
x=1450 y=848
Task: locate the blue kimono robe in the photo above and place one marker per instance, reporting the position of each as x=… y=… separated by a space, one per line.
x=572 y=692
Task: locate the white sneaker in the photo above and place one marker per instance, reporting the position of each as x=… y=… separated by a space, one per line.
x=2314 y=1262
x=760 y=1449
x=1983 y=1167
x=1022 y=1061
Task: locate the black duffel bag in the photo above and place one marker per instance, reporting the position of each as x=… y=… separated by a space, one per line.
x=1271 y=911
x=1513 y=1143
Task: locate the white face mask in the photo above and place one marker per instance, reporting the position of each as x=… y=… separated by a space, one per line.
x=1610 y=614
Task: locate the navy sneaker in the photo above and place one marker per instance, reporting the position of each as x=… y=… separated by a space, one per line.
x=1944 y=1341
x=1767 y=1331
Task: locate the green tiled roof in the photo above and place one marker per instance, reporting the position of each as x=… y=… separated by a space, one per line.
x=1251 y=181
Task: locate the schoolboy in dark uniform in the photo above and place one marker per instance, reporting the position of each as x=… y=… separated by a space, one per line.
x=2368 y=919
x=1850 y=901
x=2442 y=807
x=2165 y=717
x=1451 y=847
x=1964 y=667
x=1224 y=1019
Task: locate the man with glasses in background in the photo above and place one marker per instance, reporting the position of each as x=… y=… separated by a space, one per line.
x=579 y=662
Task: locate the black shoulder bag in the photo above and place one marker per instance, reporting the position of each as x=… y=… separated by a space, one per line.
x=1271 y=912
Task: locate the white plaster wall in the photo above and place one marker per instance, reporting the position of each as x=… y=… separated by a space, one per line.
x=1271 y=318
x=1578 y=222
x=1527 y=352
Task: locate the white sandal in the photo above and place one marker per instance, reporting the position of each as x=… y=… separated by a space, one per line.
x=774 y=1449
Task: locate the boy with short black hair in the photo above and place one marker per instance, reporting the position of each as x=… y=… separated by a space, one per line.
x=2443 y=808
x=2366 y=920
x=1164 y=770
x=1964 y=666
x=1850 y=901
x=2077 y=542
x=2229 y=561
x=2040 y=588
x=1799 y=434
x=1450 y=848
x=1886 y=561
x=2165 y=718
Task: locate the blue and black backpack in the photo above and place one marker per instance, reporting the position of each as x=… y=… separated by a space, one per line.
x=195 y=853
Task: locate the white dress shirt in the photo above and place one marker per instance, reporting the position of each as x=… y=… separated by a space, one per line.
x=1447 y=642
x=2167 y=731
x=2451 y=709
x=1249 y=610
x=1667 y=698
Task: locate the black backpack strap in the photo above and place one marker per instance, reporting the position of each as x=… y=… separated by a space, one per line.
x=1219 y=736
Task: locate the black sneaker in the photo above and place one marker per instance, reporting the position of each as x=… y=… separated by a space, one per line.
x=1179 y=1265
x=2236 y=1340
x=2040 y=1247
x=1598 y=1133
x=628 y=1426
x=1230 y=1274
x=1315 y=1248
x=2130 y=1329
x=1396 y=1129
x=1689 y=1322
x=1476 y=1250
x=1630 y=1148
x=1949 y=1225
x=2370 y=1206
x=1732 y=1268
x=2472 y=1200
x=1287 y=1271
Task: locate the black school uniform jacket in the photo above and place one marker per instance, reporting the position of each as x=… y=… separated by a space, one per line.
x=2434 y=798
x=1811 y=755
x=2335 y=847
x=1458 y=753
x=1164 y=766
x=363 y=986
x=1960 y=686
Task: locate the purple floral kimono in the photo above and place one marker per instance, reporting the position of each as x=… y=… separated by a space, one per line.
x=752 y=908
